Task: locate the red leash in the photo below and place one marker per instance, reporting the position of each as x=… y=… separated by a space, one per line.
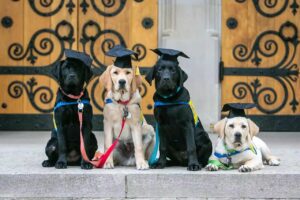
x=99 y=160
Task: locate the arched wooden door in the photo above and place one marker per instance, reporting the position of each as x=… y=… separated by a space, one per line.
x=261 y=55
x=33 y=36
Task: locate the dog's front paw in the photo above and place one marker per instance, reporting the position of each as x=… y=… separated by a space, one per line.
x=142 y=165
x=274 y=162
x=245 y=168
x=86 y=165
x=108 y=165
x=61 y=165
x=158 y=165
x=212 y=167
x=47 y=163
x=194 y=167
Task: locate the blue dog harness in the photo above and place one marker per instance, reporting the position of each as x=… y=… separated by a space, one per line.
x=64 y=103
x=229 y=153
x=154 y=156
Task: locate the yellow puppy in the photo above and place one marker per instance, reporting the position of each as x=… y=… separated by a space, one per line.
x=137 y=139
x=238 y=146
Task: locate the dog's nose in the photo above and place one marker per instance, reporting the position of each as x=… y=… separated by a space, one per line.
x=72 y=75
x=166 y=78
x=238 y=135
x=122 y=82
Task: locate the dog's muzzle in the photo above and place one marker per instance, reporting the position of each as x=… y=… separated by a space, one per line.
x=238 y=138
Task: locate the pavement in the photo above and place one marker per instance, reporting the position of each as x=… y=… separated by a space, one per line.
x=23 y=177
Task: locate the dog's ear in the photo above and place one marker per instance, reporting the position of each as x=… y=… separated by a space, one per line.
x=182 y=77
x=88 y=74
x=219 y=127
x=56 y=70
x=150 y=75
x=136 y=80
x=253 y=128
x=105 y=79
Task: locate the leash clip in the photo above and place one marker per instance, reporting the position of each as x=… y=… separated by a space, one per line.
x=80 y=105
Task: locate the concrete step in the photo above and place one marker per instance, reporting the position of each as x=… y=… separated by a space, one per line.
x=22 y=177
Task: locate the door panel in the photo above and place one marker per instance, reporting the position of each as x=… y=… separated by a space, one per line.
x=34 y=35
x=260 y=60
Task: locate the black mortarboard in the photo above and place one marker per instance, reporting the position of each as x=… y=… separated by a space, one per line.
x=83 y=57
x=123 y=56
x=169 y=54
x=237 y=109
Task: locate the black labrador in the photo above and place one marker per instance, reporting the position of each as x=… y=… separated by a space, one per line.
x=64 y=146
x=180 y=140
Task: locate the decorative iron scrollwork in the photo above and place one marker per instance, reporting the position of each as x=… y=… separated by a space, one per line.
x=108 y=4
x=45 y=4
x=16 y=90
x=284 y=71
x=70 y=5
x=45 y=46
x=104 y=40
x=272 y=7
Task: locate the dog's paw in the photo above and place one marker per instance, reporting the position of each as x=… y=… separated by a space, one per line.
x=47 y=163
x=274 y=162
x=86 y=165
x=245 y=168
x=142 y=165
x=194 y=167
x=212 y=167
x=158 y=165
x=108 y=165
x=60 y=165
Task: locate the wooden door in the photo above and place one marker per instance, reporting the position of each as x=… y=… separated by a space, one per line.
x=260 y=59
x=33 y=36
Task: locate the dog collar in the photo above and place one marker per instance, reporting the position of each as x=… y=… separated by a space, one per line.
x=71 y=95
x=171 y=95
x=123 y=102
x=233 y=152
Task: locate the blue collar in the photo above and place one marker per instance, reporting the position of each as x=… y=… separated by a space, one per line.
x=107 y=101
x=160 y=103
x=64 y=103
x=171 y=95
x=232 y=152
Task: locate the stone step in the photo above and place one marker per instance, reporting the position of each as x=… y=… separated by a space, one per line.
x=22 y=177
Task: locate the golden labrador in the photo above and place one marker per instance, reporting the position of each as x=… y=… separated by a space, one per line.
x=137 y=139
x=238 y=147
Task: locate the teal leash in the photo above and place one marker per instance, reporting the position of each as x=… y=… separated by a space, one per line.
x=154 y=156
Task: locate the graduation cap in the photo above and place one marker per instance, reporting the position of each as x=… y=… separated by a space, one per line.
x=83 y=57
x=123 y=56
x=237 y=109
x=169 y=54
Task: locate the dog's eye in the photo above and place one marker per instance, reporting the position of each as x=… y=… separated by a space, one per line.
x=116 y=73
x=128 y=72
x=231 y=125
x=244 y=126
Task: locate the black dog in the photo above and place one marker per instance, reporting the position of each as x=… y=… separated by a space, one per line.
x=180 y=140
x=64 y=146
